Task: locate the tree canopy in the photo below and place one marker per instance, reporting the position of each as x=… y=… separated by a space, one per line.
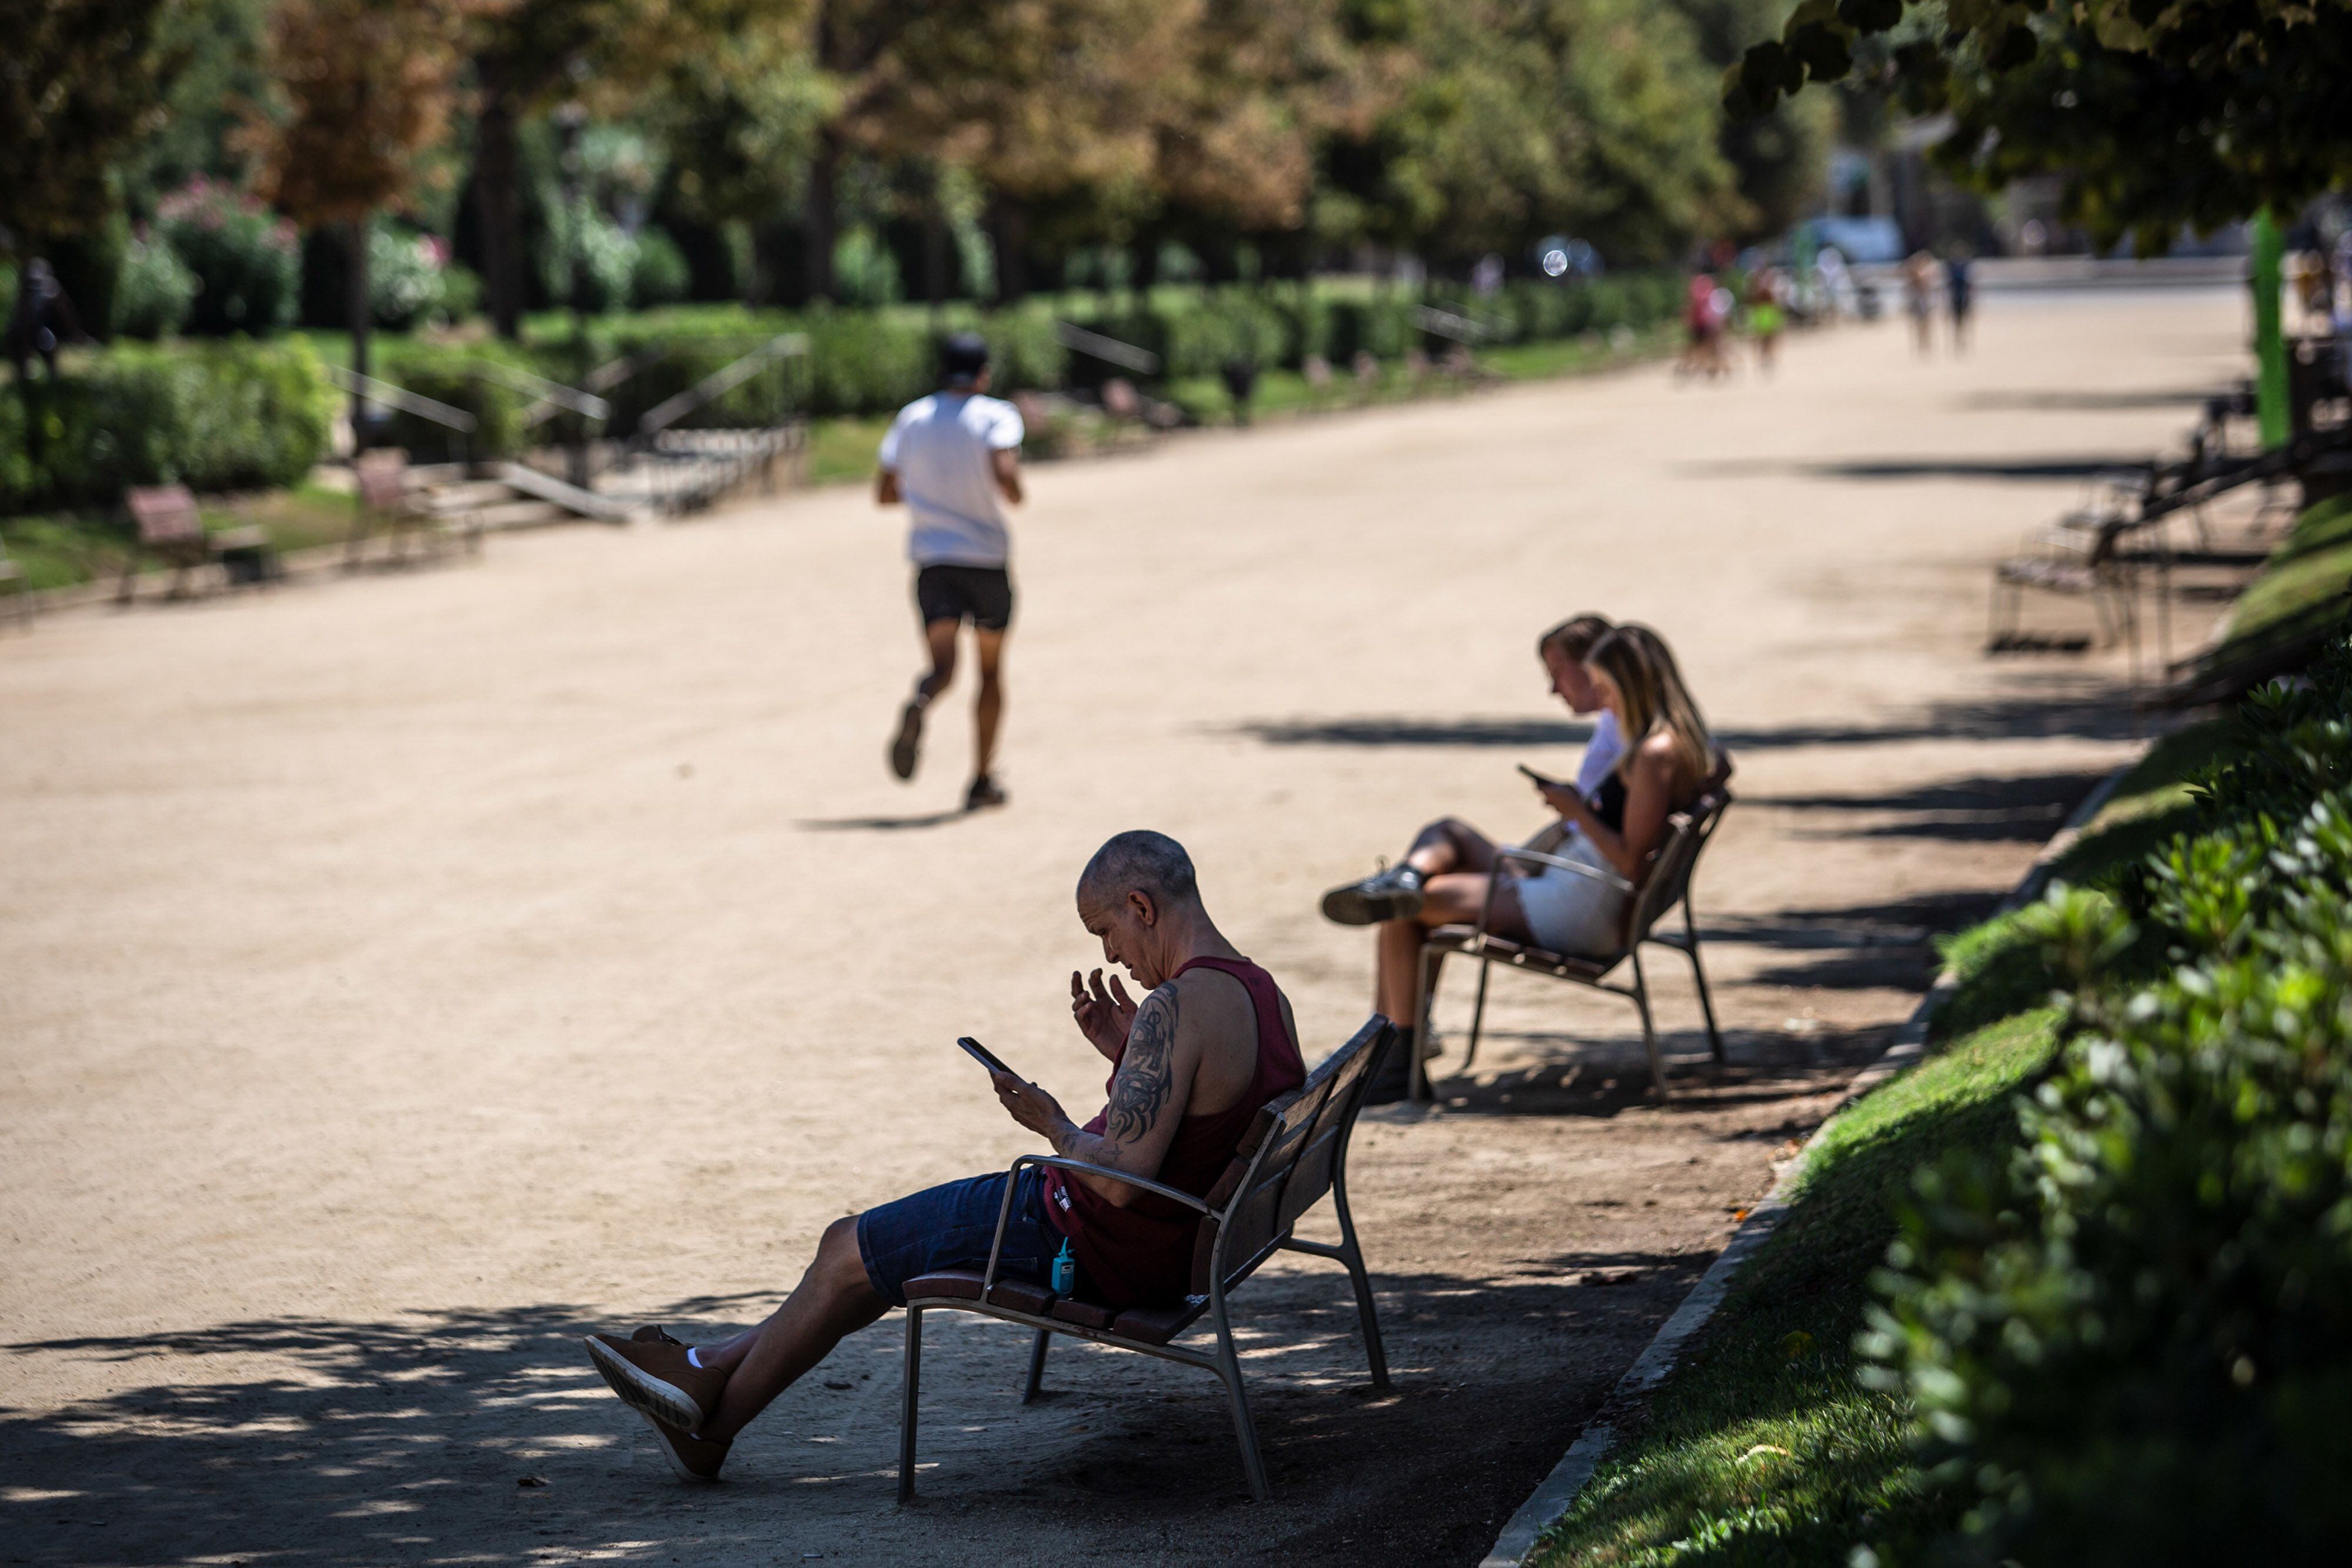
x=2158 y=113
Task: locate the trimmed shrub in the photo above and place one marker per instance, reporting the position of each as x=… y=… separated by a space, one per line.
x=2131 y=1340
x=453 y=376
x=153 y=290
x=212 y=417
x=247 y=262
x=658 y=275
x=404 y=277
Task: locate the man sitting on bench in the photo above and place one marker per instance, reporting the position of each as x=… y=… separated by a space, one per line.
x=1191 y=1065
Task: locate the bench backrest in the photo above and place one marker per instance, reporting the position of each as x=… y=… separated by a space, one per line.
x=166 y=514
x=1669 y=874
x=1287 y=1161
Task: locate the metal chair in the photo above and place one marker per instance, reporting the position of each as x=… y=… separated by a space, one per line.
x=1294 y=1152
x=1665 y=884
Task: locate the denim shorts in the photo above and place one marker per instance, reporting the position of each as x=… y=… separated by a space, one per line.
x=950 y=1226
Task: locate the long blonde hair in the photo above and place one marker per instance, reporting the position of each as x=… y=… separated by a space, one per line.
x=1650 y=685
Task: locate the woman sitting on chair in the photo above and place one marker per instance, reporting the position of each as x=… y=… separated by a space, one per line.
x=1606 y=839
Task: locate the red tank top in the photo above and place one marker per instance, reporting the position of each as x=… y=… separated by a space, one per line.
x=1143 y=1253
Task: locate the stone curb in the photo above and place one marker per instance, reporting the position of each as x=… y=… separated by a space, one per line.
x=1557 y=1490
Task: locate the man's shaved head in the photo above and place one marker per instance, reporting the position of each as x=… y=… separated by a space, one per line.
x=1140 y=861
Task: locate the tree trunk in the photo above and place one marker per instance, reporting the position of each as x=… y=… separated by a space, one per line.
x=1144 y=277
x=361 y=318
x=817 y=223
x=1011 y=228
x=497 y=205
x=935 y=256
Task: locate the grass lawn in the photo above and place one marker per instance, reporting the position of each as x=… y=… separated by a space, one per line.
x=2311 y=565
x=1763 y=1447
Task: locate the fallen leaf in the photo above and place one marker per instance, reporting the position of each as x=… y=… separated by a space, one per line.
x=1765 y=1449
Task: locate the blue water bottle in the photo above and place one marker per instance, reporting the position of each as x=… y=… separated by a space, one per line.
x=1066 y=1269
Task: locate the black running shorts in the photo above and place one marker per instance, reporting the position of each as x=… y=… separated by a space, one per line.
x=979 y=594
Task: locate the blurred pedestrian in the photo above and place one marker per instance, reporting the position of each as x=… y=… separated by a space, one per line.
x=1766 y=314
x=951 y=456
x=1919 y=299
x=1959 y=294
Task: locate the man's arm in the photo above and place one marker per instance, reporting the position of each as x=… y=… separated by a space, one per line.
x=1006 y=463
x=1147 y=1096
x=886 y=487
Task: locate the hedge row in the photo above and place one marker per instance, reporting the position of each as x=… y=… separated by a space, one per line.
x=215 y=416
x=223 y=415
x=2129 y=1339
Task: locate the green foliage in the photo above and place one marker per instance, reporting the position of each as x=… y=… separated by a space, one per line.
x=80 y=81
x=213 y=417
x=454 y=375
x=2129 y=1340
x=246 y=262
x=405 y=283
x=2158 y=115
x=1763 y=1450
x=153 y=290
x=658 y=274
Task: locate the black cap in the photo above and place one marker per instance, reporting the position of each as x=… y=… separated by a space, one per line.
x=961 y=359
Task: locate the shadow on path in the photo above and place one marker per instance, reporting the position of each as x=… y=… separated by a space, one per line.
x=483 y=1437
x=2004 y=718
x=1998 y=469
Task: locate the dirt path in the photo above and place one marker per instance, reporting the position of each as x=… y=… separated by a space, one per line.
x=403 y=974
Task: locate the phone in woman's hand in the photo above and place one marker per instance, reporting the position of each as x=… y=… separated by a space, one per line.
x=1543 y=783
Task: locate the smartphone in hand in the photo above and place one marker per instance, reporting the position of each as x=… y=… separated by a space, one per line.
x=1543 y=782
x=984 y=1056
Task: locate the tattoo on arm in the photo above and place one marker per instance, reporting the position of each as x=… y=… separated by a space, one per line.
x=1147 y=1072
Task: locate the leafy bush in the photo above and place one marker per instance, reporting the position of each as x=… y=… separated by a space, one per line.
x=405 y=279
x=246 y=261
x=213 y=417
x=2131 y=1339
x=153 y=291
x=659 y=274
x=453 y=375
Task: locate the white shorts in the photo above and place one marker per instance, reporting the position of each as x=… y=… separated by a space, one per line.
x=1568 y=912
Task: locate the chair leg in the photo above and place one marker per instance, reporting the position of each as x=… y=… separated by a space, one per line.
x=1698 y=973
x=1352 y=1255
x=1649 y=1031
x=1229 y=1368
x=1036 y=1367
x=906 y=1415
x=1478 y=1013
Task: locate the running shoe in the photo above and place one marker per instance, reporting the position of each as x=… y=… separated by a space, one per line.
x=654 y=1378
x=984 y=791
x=908 y=742
x=1390 y=895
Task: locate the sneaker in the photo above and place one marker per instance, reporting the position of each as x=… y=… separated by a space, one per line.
x=984 y=791
x=907 y=743
x=1390 y=895
x=694 y=1459
x=653 y=1375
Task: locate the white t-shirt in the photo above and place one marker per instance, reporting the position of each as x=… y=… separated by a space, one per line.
x=941 y=447
x=1601 y=754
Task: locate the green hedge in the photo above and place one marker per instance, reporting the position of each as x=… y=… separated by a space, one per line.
x=2130 y=1339
x=214 y=416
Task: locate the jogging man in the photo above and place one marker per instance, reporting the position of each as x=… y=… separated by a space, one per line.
x=1192 y=1064
x=949 y=456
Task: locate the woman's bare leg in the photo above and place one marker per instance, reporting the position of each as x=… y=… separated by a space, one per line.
x=1450 y=898
x=833 y=1299
x=1450 y=844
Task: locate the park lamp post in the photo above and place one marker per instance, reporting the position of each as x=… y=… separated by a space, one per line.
x=570 y=119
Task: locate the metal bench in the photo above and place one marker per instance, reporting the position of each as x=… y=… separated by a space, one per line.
x=171 y=530
x=1295 y=1153
x=1664 y=884
x=13 y=586
x=386 y=501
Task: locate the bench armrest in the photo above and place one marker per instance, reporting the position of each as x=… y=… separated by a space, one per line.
x=1005 y=1209
x=1579 y=867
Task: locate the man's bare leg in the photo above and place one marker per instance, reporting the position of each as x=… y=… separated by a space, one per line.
x=1450 y=844
x=939 y=642
x=988 y=648
x=835 y=1299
